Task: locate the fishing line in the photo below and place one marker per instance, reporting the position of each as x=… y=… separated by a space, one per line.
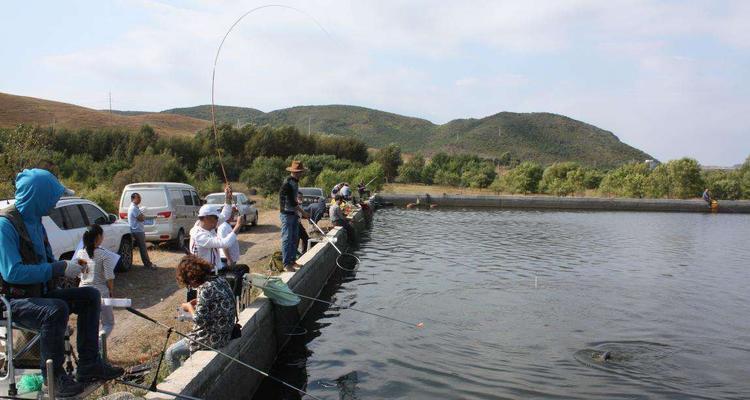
x=265 y=374
x=412 y=324
x=216 y=61
x=341 y=254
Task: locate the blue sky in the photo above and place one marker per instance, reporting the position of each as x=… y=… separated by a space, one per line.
x=669 y=77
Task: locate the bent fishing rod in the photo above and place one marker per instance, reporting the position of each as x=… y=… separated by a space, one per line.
x=330 y=303
x=265 y=374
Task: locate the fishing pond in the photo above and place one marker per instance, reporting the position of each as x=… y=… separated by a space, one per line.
x=525 y=304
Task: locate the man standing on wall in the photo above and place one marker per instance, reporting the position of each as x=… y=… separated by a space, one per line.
x=135 y=220
x=288 y=208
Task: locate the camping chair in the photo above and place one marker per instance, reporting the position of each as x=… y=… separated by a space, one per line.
x=11 y=356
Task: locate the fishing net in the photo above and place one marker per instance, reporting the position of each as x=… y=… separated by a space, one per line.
x=347 y=262
x=275 y=289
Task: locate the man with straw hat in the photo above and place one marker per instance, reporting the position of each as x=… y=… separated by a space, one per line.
x=288 y=208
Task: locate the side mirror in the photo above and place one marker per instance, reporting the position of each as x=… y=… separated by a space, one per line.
x=251 y=202
x=112 y=218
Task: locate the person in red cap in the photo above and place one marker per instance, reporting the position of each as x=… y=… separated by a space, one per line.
x=288 y=209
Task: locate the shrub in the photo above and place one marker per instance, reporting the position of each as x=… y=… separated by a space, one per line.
x=477 y=174
x=411 y=171
x=447 y=178
x=629 y=180
x=522 y=179
x=677 y=178
x=562 y=179
x=266 y=174
x=104 y=196
x=151 y=168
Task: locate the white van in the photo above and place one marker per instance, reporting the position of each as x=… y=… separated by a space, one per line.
x=171 y=209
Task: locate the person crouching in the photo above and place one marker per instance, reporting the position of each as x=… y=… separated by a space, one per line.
x=213 y=310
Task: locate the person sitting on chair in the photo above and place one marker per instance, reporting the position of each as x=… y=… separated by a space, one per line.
x=28 y=270
x=213 y=310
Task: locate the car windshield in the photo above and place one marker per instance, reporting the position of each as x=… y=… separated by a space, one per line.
x=311 y=192
x=219 y=198
x=149 y=198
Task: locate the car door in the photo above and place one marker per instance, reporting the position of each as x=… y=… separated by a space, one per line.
x=74 y=224
x=96 y=215
x=187 y=210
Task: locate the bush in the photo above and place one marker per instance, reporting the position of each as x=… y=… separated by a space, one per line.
x=266 y=174
x=522 y=179
x=151 y=168
x=477 y=174
x=629 y=180
x=104 y=196
x=411 y=171
x=446 y=178
x=210 y=184
x=676 y=179
x=562 y=179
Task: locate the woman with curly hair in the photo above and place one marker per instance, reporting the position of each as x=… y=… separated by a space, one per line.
x=213 y=310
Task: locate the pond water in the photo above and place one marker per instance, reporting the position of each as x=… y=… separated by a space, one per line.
x=524 y=304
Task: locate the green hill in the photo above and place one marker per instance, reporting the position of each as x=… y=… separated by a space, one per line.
x=540 y=137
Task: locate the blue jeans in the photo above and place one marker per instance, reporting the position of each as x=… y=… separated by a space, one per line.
x=176 y=353
x=49 y=315
x=289 y=237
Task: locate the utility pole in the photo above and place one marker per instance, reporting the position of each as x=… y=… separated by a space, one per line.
x=308 y=125
x=238 y=123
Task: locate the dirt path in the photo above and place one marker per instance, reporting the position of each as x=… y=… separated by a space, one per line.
x=156 y=293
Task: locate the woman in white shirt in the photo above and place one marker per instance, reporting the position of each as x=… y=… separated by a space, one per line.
x=101 y=272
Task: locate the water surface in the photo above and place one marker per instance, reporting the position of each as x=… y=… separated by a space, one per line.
x=519 y=304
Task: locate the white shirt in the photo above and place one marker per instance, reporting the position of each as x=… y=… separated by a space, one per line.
x=102 y=271
x=133 y=212
x=206 y=244
x=224 y=229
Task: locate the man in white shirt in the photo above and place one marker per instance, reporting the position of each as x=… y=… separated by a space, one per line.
x=204 y=240
x=230 y=256
x=135 y=220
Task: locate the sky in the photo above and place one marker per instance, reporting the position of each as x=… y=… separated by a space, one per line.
x=669 y=77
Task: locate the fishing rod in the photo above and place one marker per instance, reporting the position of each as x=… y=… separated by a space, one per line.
x=341 y=254
x=412 y=324
x=265 y=374
x=216 y=61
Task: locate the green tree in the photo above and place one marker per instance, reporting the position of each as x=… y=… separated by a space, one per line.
x=389 y=158
x=562 y=179
x=151 y=168
x=477 y=174
x=629 y=180
x=685 y=178
x=411 y=171
x=266 y=174
x=524 y=178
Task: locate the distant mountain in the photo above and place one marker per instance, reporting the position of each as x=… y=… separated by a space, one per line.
x=541 y=137
x=16 y=110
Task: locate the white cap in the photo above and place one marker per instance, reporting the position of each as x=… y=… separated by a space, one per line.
x=208 y=209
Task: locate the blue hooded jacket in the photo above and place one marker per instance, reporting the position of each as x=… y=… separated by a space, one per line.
x=37 y=192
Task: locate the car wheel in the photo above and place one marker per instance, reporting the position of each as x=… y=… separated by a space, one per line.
x=255 y=220
x=126 y=255
x=180 y=241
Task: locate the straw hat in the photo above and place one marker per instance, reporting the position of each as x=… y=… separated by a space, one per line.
x=296 y=167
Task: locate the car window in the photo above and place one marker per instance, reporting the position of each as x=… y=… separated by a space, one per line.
x=215 y=199
x=94 y=214
x=74 y=218
x=196 y=200
x=57 y=217
x=187 y=197
x=176 y=197
x=241 y=199
x=149 y=197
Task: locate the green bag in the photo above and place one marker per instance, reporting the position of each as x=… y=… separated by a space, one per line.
x=275 y=289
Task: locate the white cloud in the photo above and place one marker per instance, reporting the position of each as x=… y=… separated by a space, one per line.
x=438 y=60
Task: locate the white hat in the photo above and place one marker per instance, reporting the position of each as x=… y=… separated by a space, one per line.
x=207 y=210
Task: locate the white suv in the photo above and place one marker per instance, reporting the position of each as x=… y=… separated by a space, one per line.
x=68 y=220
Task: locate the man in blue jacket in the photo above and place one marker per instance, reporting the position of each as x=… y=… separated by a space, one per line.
x=28 y=268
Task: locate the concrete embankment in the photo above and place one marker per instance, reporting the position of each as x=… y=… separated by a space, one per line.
x=563 y=203
x=209 y=375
